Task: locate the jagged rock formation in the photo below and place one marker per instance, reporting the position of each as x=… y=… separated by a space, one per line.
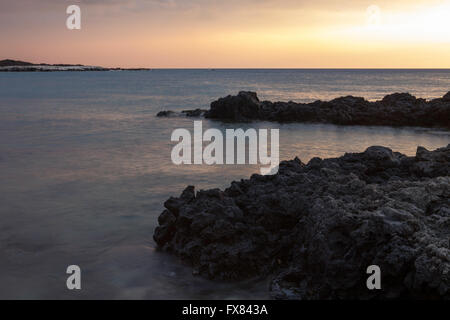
x=315 y=228
x=398 y=109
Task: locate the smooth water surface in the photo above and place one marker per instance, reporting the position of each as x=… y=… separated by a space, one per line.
x=85 y=168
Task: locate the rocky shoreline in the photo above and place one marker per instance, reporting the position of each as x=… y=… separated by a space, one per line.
x=314 y=228
x=9 y=65
x=398 y=109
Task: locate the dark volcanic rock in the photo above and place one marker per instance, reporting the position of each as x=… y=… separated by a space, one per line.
x=398 y=109
x=165 y=113
x=315 y=228
x=187 y=113
x=244 y=106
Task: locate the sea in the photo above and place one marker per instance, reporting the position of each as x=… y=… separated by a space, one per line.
x=85 y=167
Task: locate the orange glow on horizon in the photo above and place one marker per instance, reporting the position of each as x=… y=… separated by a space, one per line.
x=236 y=34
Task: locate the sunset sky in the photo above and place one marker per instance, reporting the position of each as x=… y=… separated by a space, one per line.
x=231 y=33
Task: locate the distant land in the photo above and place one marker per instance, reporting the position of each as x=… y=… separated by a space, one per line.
x=9 y=65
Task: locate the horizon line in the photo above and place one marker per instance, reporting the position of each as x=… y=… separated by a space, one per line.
x=237 y=68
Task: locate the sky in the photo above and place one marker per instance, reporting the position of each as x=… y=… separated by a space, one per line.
x=230 y=33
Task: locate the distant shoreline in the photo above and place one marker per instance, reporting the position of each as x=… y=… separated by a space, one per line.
x=23 y=66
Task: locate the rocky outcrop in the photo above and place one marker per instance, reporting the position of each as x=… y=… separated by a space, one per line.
x=398 y=109
x=315 y=228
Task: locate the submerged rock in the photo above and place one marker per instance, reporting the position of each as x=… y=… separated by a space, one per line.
x=194 y=113
x=167 y=113
x=187 y=113
x=315 y=228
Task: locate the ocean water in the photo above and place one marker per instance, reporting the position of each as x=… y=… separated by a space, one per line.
x=85 y=168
